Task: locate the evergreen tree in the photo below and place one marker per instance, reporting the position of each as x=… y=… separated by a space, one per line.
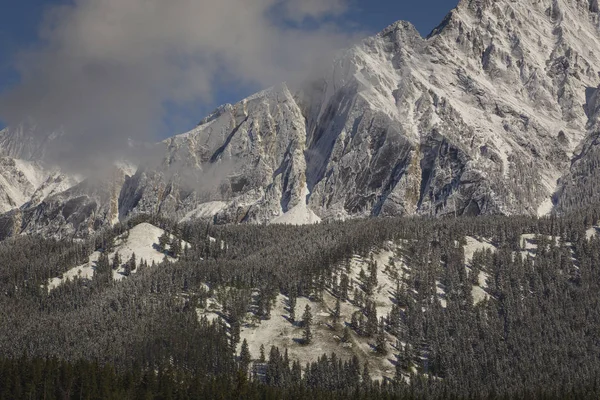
x=116 y=261
x=262 y=358
x=337 y=311
x=132 y=262
x=344 y=286
x=127 y=269
x=381 y=341
x=371 y=312
x=292 y=307
x=163 y=240
x=306 y=324
x=175 y=247
x=398 y=377
x=245 y=357
x=103 y=270
x=366 y=376
x=346 y=337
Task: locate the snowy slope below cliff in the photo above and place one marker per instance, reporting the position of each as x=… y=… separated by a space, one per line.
x=141 y=240
x=299 y=214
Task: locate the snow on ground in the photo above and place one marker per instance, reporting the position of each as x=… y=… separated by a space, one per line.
x=386 y=284
x=205 y=210
x=441 y=292
x=299 y=214
x=281 y=332
x=85 y=271
x=545 y=208
x=478 y=292
x=142 y=240
x=593 y=231
x=529 y=244
x=473 y=245
x=31 y=171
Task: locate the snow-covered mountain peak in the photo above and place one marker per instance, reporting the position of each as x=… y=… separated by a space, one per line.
x=482 y=116
x=403 y=32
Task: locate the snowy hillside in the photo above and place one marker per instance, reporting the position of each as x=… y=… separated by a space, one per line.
x=141 y=240
x=348 y=336
x=343 y=336
x=300 y=214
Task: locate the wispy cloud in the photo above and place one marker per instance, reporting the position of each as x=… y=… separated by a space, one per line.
x=104 y=69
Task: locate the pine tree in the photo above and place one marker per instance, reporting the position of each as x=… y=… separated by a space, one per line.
x=337 y=311
x=371 y=311
x=354 y=321
x=127 y=269
x=366 y=376
x=306 y=322
x=292 y=306
x=245 y=357
x=103 y=269
x=163 y=240
x=343 y=291
x=116 y=261
x=381 y=342
x=132 y=263
x=262 y=358
x=175 y=247
x=398 y=377
x=346 y=337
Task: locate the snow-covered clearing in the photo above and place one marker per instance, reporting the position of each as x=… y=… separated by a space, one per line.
x=529 y=244
x=473 y=244
x=479 y=291
x=281 y=332
x=386 y=285
x=593 y=231
x=141 y=240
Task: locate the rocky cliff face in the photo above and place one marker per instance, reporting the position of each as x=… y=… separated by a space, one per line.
x=482 y=116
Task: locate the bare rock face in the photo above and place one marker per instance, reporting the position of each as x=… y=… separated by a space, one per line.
x=481 y=117
x=581 y=185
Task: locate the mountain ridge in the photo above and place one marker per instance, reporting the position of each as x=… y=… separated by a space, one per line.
x=482 y=116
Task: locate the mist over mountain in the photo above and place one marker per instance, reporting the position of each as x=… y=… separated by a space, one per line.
x=483 y=116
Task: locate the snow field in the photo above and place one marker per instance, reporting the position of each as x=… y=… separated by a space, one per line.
x=281 y=332
x=299 y=214
x=142 y=240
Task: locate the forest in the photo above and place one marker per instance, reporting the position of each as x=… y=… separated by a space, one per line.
x=535 y=336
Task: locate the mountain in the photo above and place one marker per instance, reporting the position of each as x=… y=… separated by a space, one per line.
x=483 y=116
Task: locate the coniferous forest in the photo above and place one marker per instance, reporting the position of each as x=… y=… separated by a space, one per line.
x=536 y=336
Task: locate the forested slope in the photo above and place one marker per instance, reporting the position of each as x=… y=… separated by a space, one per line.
x=517 y=316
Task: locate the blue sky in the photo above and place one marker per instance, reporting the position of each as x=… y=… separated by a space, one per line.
x=20 y=20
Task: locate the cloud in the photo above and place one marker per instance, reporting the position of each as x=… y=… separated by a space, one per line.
x=104 y=69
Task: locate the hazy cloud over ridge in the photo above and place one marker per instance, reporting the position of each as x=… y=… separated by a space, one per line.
x=105 y=68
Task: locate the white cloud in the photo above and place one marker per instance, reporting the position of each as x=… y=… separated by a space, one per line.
x=105 y=68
